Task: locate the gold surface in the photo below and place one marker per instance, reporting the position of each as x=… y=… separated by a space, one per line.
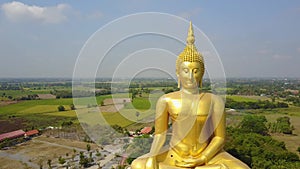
x=198 y=122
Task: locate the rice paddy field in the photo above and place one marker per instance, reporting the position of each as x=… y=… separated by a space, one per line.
x=241 y=98
x=136 y=114
x=42 y=113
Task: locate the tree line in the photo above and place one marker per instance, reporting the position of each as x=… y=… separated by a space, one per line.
x=230 y=103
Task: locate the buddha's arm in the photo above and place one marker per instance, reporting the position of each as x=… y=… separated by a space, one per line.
x=161 y=126
x=219 y=124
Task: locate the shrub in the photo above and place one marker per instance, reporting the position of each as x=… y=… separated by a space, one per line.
x=61 y=108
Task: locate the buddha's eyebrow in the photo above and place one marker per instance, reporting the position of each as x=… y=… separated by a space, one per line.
x=185 y=67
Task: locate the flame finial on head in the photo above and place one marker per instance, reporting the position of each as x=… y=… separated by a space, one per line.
x=191 y=38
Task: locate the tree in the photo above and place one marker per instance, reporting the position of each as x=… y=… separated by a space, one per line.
x=284 y=125
x=88 y=147
x=49 y=163
x=298 y=149
x=72 y=107
x=259 y=151
x=254 y=124
x=118 y=128
x=61 y=108
x=61 y=160
x=83 y=161
x=98 y=154
x=90 y=159
x=137 y=114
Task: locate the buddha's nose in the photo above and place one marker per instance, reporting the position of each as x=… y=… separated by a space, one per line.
x=191 y=76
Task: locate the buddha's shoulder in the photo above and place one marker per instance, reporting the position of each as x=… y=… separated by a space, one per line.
x=211 y=97
x=172 y=95
x=166 y=98
x=203 y=97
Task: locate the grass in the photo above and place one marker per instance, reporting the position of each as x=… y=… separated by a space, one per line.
x=39 y=109
x=145 y=102
x=68 y=113
x=123 y=118
x=139 y=103
x=239 y=98
x=23 y=105
x=291 y=111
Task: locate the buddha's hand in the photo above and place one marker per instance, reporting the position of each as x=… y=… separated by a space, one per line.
x=191 y=162
x=151 y=163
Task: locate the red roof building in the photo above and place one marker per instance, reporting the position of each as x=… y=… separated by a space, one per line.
x=31 y=133
x=12 y=135
x=146 y=130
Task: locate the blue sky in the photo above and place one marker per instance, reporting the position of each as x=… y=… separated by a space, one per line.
x=253 y=38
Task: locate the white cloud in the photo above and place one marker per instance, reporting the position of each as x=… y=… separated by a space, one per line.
x=20 y=12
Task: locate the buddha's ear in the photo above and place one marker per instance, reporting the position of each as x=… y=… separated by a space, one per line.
x=200 y=83
x=178 y=80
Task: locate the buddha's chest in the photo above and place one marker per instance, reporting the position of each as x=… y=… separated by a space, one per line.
x=183 y=109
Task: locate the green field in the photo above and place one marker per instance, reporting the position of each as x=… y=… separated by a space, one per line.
x=239 y=98
x=42 y=113
x=145 y=102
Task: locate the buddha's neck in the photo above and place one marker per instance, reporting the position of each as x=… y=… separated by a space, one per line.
x=190 y=91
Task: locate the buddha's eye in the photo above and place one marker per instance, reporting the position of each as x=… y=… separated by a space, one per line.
x=186 y=70
x=195 y=70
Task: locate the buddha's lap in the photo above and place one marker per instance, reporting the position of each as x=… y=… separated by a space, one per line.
x=167 y=159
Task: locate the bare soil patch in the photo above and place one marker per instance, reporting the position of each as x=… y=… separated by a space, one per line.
x=40 y=149
x=5 y=103
x=67 y=142
x=114 y=105
x=116 y=101
x=12 y=124
x=7 y=163
x=46 y=96
x=111 y=108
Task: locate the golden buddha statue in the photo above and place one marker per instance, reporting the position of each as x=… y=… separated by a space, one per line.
x=198 y=122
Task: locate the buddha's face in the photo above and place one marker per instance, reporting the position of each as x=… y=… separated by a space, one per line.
x=189 y=74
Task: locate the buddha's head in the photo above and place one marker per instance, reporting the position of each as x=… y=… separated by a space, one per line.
x=190 y=65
